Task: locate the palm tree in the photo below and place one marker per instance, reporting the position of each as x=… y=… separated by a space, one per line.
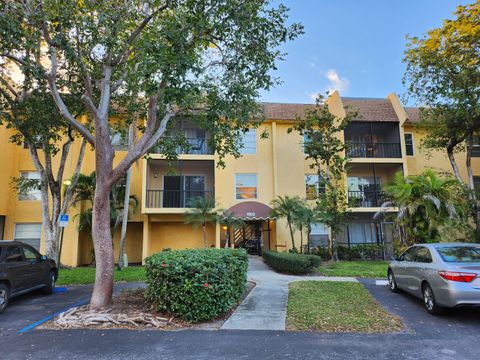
x=304 y=217
x=201 y=213
x=285 y=207
x=426 y=204
x=85 y=191
x=230 y=221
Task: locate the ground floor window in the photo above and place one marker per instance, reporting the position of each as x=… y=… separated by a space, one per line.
x=363 y=233
x=318 y=236
x=29 y=234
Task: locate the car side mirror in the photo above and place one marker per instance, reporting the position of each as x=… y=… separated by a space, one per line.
x=44 y=258
x=394 y=258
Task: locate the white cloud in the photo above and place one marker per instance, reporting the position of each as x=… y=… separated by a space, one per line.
x=336 y=82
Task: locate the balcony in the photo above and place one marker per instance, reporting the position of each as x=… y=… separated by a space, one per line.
x=374 y=150
x=190 y=138
x=173 y=198
x=191 y=146
x=365 y=183
x=373 y=140
x=366 y=198
x=171 y=185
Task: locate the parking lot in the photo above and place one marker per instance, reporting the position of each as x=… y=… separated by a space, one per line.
x=451 y=336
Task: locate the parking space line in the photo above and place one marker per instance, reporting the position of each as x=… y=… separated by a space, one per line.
x=381 y=282
x=51 y=316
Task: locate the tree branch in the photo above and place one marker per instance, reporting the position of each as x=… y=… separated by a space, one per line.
x=51 y=76
x=119 y=58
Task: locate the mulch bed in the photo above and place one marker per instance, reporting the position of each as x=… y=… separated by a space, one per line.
x=130 y=310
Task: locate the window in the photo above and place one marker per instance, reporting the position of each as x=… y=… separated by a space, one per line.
x=459 y=253
x=362 y=233
x=14 y=254
x=313 y=187
x=249 y=142
x=29 y=234
x=423 y=255
x=246 y=186
x=32 y=194
x=30 y=255
x=178 y=191
x=476 y=147
x=319 y=235
x=409 y=255
x=409 y=148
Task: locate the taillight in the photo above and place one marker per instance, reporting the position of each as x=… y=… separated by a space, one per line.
x=457 y=276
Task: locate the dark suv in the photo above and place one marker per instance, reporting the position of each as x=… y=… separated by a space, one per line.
x=23 y=269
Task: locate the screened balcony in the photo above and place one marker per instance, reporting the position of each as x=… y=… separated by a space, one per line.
x=373 y=140
x=192 y=140
x=366 y=181
x=174 y=185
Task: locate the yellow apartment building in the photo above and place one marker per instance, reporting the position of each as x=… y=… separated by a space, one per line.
x=382 y=141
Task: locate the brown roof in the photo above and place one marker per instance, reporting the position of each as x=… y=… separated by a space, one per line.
x=371 y=109
x=413 y=114
x=279 y=111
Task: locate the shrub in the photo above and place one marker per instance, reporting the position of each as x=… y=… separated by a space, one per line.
x=196 y=284
x=355 y=252
x=291 y=263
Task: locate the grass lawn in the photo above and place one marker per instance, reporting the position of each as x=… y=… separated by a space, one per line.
x=368 y=269
x=336 y=307
x=86 y=275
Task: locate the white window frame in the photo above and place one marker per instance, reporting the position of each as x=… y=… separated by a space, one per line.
x=413 y=143
x=235 y=186
x=36 y=193
x=23 y=239
x=248 y=145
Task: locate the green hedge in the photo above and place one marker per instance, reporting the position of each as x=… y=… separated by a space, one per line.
x=291 y=263
x=355 y=252
x=196 y=284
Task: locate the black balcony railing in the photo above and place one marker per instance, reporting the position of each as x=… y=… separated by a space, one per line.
x=173 y=198
x=366 y=198
x=374 y=150
x=194 y=146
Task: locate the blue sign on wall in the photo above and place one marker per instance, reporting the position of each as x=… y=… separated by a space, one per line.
x=63 y=220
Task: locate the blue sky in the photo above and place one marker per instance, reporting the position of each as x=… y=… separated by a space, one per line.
x=355 y=46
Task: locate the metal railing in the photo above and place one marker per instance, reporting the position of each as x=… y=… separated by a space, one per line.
x=366 y=198
x=374 y=150
x=195 y=146
x=173 y=198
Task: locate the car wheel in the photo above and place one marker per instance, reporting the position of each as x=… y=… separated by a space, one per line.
x=4 y=295
x=429 y=301
x=392 y=283
x=48 y=289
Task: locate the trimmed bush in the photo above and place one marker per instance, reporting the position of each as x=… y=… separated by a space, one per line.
x=291 y=263
x=196 y=284
x=355 y=252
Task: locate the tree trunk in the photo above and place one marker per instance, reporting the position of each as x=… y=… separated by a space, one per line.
x=301 y=240
x=101 y=232
x=204 y=230
x=309 y=231
x=126 y=202
x=471 y=187
x=334 y=248
x=291 y=234
x=102 y=242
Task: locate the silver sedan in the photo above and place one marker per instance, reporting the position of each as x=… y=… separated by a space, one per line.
x=444 y=275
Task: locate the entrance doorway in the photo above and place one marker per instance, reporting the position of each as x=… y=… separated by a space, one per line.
x=253 y=235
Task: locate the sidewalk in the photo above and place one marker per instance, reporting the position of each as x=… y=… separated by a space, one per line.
x=265 y=308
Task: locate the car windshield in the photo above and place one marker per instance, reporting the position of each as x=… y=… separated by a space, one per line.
x=459 y=253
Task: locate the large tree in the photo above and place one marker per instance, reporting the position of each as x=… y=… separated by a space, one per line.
x=36 y=123
x=443 y=75
x=325 y=148
x=205 y=59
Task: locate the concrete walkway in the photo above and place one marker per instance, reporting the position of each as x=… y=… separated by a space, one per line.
x=265 y=308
